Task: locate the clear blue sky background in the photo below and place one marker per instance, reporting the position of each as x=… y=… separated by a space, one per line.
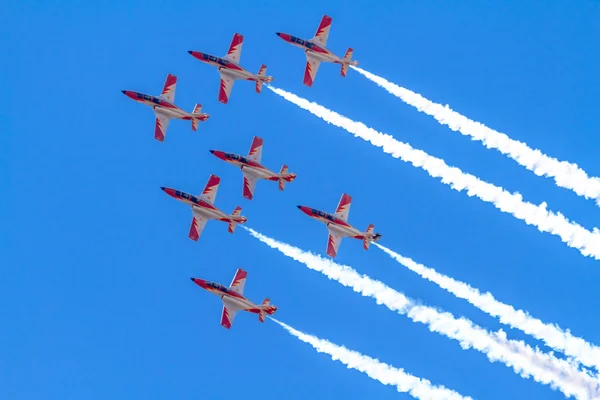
x=95 y=296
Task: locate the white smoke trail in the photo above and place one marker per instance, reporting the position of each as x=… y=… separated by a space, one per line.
x=573 y=234
x=377 y=370
x=567 y=175
x=572 y=346
x=544 y=368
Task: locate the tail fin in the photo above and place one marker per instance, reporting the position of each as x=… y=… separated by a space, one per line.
x=197 y=116
x=236 y=218
x=347 y=61
x=370 y=236
x=261 y=72
x=266 y=308
x=284 y=177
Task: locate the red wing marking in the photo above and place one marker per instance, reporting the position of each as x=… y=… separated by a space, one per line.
x=161 y=126
x=227 y=317
x=235 y=48
x=239 y=281
x=249 y=186
x=197 y=226
x=168 y=92
x=333 y=243
x=322 y=33
x=255 y=152
x=343 y=208
x=225 y=88
x=312 y=66
x=210 y=190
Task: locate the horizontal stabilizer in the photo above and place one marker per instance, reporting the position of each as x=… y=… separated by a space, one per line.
x=266 y=309
x=236 y=218
x=261 y=73
x=370 y=236
x=198 y=117
x=285 y=176
x=347 y=61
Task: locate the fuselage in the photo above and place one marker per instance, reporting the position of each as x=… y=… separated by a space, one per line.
x=159 y=105
x=319 y=52
x=247 y=165
x=228 y=67
x=229 y=297
x=202 y=206
x=334 y=223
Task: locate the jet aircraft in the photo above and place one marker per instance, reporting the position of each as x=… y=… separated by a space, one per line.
x=233 y=299
x=230 y=69
x=203 y=208
x=165 y=110
x=338 y=226
x=253 y=170
x=316 y=52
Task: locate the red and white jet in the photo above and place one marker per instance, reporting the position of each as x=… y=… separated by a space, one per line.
x=165 y=110
x=203 y=208
x=253 y=170
x=316 y=52
x=230 y=69
x=338 y=225
x=233 y=299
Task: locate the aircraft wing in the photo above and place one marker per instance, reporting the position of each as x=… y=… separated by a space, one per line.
x=168 y=92
x=239 y=281
x=161 y=126
x=210 y=190
x=227 y=316
x=235 y=49
x=333 y=243
x=249 y=185
x=225 y=87
x=228 y=313
x=322 y=33
x=198 y=224
x=312 y=66
x=343 y=208
x=255 y=152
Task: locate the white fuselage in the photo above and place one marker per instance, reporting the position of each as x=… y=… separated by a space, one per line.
x=261 y=173
x=345 y=230
x=210 y=213
x=235 y=302
x=238 y=73
x=177 y=112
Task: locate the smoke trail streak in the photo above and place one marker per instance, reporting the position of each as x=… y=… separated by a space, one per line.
x=565 y=174
x=375 y=369
x=542 y=367
x=574 y=235
x=572 y=346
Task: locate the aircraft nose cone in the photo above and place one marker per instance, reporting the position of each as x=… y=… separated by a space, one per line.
x=278 y=34
x=212 y=151
x=189 y=51
x=192 y=279
x=300 y=207
x=123 y=91
x=163 y=189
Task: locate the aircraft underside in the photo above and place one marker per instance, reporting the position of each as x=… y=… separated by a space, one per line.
x=344 y=231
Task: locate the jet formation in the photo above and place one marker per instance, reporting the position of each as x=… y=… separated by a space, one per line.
x=203 y=205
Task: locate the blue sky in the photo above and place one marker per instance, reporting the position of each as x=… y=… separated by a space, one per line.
x=95 y=294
